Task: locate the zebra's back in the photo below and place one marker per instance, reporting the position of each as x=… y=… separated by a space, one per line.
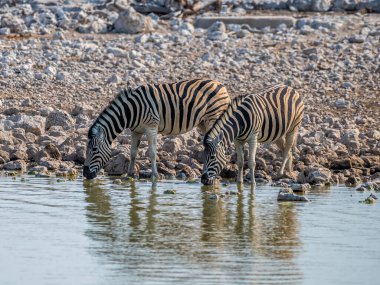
x=183 y=105
x=281 y=111
x=271 y=114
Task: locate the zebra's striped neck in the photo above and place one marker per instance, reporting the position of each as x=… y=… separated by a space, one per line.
x=115 y=117
x=226 y=124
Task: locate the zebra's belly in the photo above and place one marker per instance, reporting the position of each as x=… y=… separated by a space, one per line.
x=174 y=130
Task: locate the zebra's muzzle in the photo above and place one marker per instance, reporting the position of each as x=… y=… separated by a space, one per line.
x=207 y=180
x=88 y=174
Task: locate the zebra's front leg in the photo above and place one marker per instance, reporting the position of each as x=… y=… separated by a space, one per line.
x=239 y=146
x=252 y=157
x=152 y=141
x=135 y=142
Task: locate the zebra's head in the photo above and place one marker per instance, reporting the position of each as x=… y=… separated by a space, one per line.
x=214 y=158
x=98 y=151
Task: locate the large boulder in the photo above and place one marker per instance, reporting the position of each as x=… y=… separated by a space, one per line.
x=370 y=5
x=217 y=31
x=172 y=145
x=52 y=150
x=15 y=24
x=345 y=4
x=341 y=164
x=117 y=165
x=31 y=124
x=315 y=175
x=350 y=139
x=271 y=4
x=4 y=156
x=6 y=138
x=311 y=5
x=15 y=165
x=98 y=26
x=131 y=22
x=59 y=118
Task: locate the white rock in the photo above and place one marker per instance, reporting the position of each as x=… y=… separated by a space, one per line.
x=216 y=31
x=345 y=4
x=118 y=52
x=50 y=70
x=314 y=5
x=114 y=79
x=133 y=54
x=349 y=135
x=186 y=29
x=142 y=39
x=15 y=24
x=59 y=118
x=5 y=31
x=98 y=26
x=172 y=145
x=131 y=22
x=341 y=103
x=32 y=124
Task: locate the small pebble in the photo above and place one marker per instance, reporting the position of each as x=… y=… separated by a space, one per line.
x=288 y=195
x=371 y=199
x=300 y=187
x=39 y=175
x=361 y=189
x=170 y=191
x=279 y=184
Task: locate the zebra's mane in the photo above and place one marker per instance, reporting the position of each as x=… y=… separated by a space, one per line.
x=123 y=92
x=262 y=91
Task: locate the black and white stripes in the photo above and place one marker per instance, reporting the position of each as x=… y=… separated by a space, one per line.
x=270 y=116
x=173 y=108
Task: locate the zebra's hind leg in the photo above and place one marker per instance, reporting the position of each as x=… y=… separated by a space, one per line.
x=239 y=146
x=152 y=142
x=289 y=164
x=252 y=157
x=135 y=142
x=281 y=145
x=287 y=151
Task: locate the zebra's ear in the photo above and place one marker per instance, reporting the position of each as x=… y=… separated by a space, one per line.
x=94 y=132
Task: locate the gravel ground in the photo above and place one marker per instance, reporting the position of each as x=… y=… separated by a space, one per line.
x=54 y=83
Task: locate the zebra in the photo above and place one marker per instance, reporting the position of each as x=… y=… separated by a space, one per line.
x=151 y=109
x=273 y=115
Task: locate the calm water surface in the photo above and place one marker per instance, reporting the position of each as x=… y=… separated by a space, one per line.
x=103 y=233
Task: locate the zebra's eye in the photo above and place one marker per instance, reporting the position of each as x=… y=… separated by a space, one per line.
x=212 y=156
x=94 y=149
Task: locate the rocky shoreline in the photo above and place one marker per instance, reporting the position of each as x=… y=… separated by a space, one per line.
x=56 y=78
